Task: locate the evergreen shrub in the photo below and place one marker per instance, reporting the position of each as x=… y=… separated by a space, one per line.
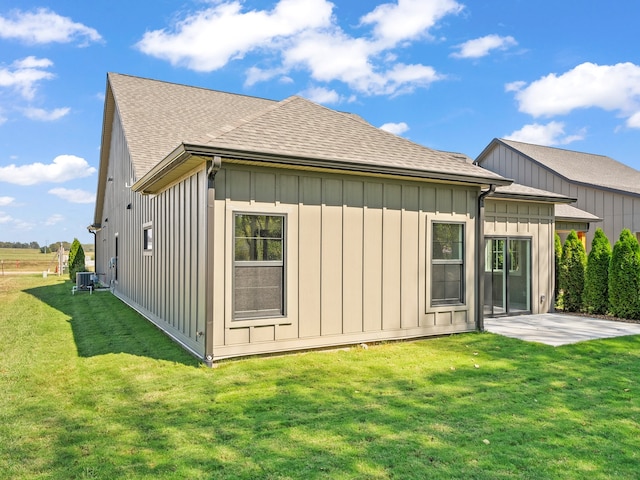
x=76 y=259
x=596 y=282
x=624 y=277
x=572 y=270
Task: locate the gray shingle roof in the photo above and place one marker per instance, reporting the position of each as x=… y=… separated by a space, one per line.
x=569 y=212
x=524 y=191
x=158 y=117
x=585 y=168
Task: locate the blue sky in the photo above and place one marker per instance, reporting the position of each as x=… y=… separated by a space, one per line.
x=448 y=74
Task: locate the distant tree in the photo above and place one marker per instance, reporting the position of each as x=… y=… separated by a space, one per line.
x=624 y=277
x=557 y=251
x=76 y=259
x=55 y=246
x=35 y=245
x=573 y=264
x=596 y=282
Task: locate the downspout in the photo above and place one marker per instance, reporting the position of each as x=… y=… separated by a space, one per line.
x=213 y=166
x=480 y=256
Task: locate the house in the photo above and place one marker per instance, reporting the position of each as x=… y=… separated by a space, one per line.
x=606 y=190
x=244 y=226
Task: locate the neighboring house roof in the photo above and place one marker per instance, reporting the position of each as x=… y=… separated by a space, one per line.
x=518 y=191
x=569 y=213
x=584 y=168
x=165 y=123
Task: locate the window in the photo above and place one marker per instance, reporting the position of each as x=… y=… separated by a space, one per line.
x=147 y=238
x=447 y=264
x=495 y=255
x=258 y=289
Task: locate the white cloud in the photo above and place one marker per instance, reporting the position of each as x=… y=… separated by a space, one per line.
x=609 y=87
x=43 y=26
x=321 y=95
x=209 y=39
x=63 y=168
x=73 y=195
x=395 y=128
x=4 y=218
x=44 y=115
x=304 y=35
x=6 y=201
x=634 y=120
x=54 y=219
x=408 y=19
x=23 y=75
x=550 y=134
x=480 y=47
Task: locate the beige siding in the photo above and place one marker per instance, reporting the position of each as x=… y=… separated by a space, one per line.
x=357 y=259
x=167 y=284
x=527 y=220
x=617 y=210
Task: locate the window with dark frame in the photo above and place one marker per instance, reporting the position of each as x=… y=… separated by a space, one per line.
x=447 y=264
x=258 y=268
x=147 y=238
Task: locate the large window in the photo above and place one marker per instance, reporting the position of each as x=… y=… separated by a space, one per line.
x=258 y=289
x=447 y=264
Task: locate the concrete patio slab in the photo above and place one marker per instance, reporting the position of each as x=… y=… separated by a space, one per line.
x=558 y=329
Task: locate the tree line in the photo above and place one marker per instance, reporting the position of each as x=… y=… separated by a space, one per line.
x=19 y=245
x=606 y=282
x=52 y=247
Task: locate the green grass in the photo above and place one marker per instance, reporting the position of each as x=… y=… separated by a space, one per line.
x=88 y=389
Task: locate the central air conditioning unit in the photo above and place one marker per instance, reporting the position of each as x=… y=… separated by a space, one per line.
x=84 y=280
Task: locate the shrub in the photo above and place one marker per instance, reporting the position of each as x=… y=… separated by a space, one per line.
x=76 y=259
x=624 y=277
x=596 y=281
x=573 y=263
x=557 y=250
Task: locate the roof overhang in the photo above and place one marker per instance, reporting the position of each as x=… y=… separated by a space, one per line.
x=569 y=213
x=187 y=157
x=105 y=151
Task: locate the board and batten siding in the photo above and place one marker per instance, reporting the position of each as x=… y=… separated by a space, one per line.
x=357 y=258
x=531 y=220
x=167 y=284
x=617 y=210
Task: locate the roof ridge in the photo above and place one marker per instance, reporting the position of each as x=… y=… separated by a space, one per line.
x=506 y=140
x=222 y=131
x=182 y=85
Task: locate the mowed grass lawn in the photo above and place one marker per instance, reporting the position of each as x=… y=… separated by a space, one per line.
x=89 y=389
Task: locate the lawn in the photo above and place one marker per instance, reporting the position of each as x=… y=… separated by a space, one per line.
x=89 y=389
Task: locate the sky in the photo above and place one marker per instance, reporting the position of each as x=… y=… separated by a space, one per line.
x=448 y=74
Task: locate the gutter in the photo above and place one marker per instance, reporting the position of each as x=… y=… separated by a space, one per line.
x=213 y=166
x=189 y=154
x=480 y=256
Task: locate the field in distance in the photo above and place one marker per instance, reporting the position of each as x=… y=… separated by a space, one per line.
x=16 y=260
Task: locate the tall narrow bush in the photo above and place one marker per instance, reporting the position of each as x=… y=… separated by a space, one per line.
x=76 y=259
x=573 y=264
x=624 y=277
x=557 y=252
x=596 y=282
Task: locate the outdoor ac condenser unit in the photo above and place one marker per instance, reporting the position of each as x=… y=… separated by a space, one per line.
x=84 y=280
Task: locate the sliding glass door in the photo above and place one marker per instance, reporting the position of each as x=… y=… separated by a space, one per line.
x=507 y=281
